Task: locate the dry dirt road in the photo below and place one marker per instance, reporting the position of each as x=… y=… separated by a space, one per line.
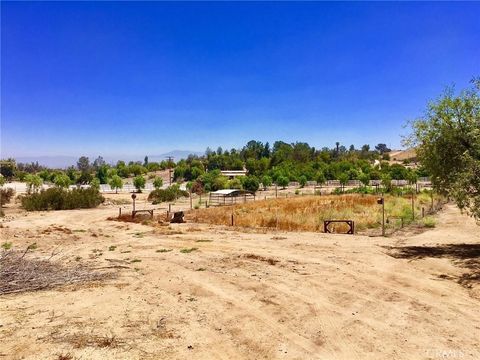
x=245 y=295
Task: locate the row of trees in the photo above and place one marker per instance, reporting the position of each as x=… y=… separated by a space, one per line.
x=94 y=174
x=286 y=162
x=83 y=172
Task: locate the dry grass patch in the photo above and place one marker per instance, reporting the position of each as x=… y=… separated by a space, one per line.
x=295 y=214
x=307 y=213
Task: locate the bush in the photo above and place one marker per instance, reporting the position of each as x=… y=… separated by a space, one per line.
x=6 y=195
x=169 y=194
x=429 y=222
x=61 y=199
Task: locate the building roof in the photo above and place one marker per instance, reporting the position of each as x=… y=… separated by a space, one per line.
x=230 y=192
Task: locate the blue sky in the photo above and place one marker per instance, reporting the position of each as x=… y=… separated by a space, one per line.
x=110 y=78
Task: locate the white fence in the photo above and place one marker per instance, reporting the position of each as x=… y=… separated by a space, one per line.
x=21 y=187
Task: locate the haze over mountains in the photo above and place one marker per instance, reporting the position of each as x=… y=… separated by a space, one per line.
x=66 y=161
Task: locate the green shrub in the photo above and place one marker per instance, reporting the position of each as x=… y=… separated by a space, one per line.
x=62 y=199
x=169 y=194
x=429 y=222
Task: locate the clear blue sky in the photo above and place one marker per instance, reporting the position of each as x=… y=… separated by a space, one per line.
x=107 y=78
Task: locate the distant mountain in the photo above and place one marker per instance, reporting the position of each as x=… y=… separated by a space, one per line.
x=49 y=161
x=61 y=162
x=176 y=154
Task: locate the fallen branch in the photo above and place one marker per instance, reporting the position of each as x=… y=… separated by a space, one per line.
x=20 y=273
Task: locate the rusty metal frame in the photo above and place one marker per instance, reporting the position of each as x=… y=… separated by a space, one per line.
x=350 y=223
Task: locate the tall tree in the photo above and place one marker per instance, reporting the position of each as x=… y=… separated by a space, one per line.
x=382 y=148
x=83 y=164
x=98 y=162
x=447 y=141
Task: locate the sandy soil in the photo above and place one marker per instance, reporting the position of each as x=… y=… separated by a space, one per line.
x=245 y=295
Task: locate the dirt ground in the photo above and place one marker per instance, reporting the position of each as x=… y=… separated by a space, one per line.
x=235 y=294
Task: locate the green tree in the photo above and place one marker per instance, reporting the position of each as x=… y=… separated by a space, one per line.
x=139 y=183
x=46 y=175
x=302 y=180
x=382 y=148
x=234 y=183
x=102 y=173
x=95 y=183
x=364 y=179
x=250 y=183
x=34 y=182
x=320 y=178
x=98 y=163
x=447 y=141
x=116 y=183
x=62 y=180
x=83 y=164
x=72 y=174
x=343 y=178
x=2 y=180
x=282 y=181
x=386 y=182
x=412 y=177
x=157 y=182
x=137 y=169
x=266 y=181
